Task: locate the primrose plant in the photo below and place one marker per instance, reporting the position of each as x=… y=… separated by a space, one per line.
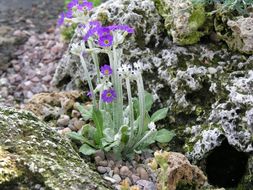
x=118 y=121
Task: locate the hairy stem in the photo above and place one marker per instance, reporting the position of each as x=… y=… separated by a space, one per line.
x=131 y=110
x=141 y=95
x=86 y=72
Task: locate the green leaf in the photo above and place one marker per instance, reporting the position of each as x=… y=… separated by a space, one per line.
x=148 y=101
x=164 y=136
x=86 y=112
x=87 y=150
x=107 y=118
x=75 y=136
x=124 y=135
x=159 y=114
x=109 y=134
x=98 y=120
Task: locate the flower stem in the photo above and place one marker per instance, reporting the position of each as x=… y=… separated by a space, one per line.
x=117 y=53
x=95 y=60
x=84 y=65
x=131 y=110
x=141 y=95
x=114 y=84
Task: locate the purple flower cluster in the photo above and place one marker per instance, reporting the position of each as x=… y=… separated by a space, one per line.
x=74 y=4
x=109 y=95
x=104 y=33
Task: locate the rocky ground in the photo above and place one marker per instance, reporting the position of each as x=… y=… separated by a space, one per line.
x=30 y=48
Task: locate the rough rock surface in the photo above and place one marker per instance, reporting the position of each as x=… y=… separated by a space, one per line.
x=34 y=156
x=242 y=34
x=235 y=31
x=53 y=104
x=183 y=20
x=180 y=171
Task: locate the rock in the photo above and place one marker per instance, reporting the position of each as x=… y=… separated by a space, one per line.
x=116 y=170
x=180 y=171
x=237 y=32
x=142 y=173
x=184 y=20
x=75 y=113
x=103 y=163
x=101 y=169
x=97 y=160
x=34 y=154
x=75 y=124
x=64 y=131
x=124 y=171
x=117 y=178
x=147 y=185
x=63 y=120
x=101 y=154
x=4 y=92
x=47 y=105
x=111 y=163
x=135 y=178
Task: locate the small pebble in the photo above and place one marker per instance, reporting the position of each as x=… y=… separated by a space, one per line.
x=75 y=113
x=97 y=159
x=116 y=170
x=63 y=120
x=142 y=173
x=101 y=169
x=135 y=178
x=103 y=163
x=101 y=154
x=111 y=163
x=117 y=178
x=147 y=185
x=124 y=171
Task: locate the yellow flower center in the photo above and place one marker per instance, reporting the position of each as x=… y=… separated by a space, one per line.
x=106 y=72
x=106 y=41
x=108 y=95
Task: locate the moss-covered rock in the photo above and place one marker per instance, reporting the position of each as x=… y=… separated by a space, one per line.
x=33 y=155
x=183 y=20
x=236 y=32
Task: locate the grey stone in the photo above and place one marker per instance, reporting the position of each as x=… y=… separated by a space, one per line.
x=63 y=120
x=117 y=178
x=32 y=152
x=147 y=185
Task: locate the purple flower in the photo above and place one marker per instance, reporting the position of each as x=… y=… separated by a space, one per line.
x=109 y=95
x=80 y=4
x=88 y=5
x=71 y=4
x=105 y=41
x=102 y=31
x=122 y=27
x=69 y=14
x=89 y=94
x=106 y=70
x=94 y=25
x=61 y=19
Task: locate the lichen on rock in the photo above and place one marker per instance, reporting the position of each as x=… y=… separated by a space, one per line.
x=184 y=20
x=37 y=155
x=236 y=32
